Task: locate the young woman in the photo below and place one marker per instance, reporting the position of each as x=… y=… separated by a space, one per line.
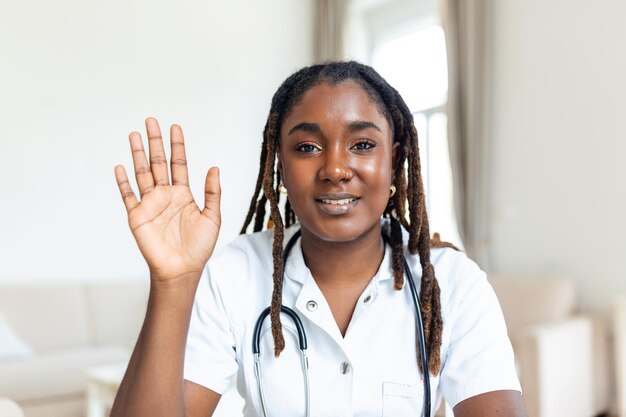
x=341 y=146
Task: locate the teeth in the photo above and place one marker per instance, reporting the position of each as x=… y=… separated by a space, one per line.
x=338 y=202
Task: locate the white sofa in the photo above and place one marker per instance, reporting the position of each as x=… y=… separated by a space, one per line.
x=70 y=327
x=561 y=355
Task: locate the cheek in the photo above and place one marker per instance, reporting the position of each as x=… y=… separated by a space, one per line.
x=380 y=170
x=377 y=176
x=376 y=173
x=299 y=181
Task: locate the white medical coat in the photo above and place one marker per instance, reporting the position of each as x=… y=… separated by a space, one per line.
x=372 y=371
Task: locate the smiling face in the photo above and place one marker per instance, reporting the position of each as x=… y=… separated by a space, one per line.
x=335 y=160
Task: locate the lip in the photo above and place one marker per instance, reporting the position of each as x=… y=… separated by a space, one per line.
x=338 y=196
x=337 y=209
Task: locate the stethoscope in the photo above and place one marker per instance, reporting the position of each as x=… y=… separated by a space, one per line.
x=256 y=337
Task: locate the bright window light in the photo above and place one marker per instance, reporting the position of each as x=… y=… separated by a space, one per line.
x=415 y=64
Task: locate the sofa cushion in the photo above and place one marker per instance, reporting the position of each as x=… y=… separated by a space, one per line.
x=527 y=301
x=11 y=345
x=54 y=374
x=48 y=316
x=116 y=311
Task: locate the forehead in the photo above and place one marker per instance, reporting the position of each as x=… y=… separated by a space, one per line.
x=339 y=103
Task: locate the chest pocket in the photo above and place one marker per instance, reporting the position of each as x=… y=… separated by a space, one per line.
x=401 y=400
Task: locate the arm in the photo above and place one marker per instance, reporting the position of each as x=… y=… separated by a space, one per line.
x=492 y=404
x=199 y=401
x=176 y=239
x=478 y=376
x=153 y=384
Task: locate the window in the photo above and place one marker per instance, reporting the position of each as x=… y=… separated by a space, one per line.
x=414 y=62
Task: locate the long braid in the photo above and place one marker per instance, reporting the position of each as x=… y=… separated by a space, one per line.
x=416 y=195
x=430 y=299
x=257 y=189
x=397 y=253
x=277 y=194
x=289 y=215
x=259 y=216
x=277 y=242
x=419 y=241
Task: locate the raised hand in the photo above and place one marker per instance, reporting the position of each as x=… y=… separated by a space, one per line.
x=174 y=236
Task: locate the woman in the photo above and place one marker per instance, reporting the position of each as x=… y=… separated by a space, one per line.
x=336 y=142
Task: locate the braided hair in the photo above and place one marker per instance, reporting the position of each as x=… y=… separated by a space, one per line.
x=408 y=183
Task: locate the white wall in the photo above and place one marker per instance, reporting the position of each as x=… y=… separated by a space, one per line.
x=77 y=76
x=558 y=124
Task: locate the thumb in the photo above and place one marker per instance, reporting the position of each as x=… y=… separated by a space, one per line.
x=212 y=194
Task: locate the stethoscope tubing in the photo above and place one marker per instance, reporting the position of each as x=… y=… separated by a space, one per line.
x=422 y=342
x=302 y=340
x=302 y=344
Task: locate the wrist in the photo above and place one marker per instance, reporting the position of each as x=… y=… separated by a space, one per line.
x=179 y=282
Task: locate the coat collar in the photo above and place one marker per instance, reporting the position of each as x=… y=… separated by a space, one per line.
x=296 y=269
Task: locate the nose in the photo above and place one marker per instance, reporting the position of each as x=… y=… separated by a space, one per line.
x=336 y=167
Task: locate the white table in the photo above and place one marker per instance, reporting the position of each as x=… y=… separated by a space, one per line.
x=102 y=385
x=104 y=381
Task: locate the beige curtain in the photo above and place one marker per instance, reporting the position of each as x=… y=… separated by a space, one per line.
x=330 y=22
x=464 y=24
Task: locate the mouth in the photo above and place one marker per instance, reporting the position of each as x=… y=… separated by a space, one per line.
x=337 y=204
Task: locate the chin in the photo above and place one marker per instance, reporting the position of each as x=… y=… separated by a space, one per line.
x=339 y=231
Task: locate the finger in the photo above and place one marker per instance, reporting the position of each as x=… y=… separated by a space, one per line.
x=212 y=195
x=143 y=174
x=130 y=201
x=178 y=161
x=158 y=162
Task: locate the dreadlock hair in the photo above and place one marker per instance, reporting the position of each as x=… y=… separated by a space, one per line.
x=408 y=182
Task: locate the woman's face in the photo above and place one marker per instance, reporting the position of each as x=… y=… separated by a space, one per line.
x=335 y=160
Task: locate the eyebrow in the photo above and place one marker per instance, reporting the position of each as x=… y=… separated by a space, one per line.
x=361 y=125
x=315 y=128
x=305 y=127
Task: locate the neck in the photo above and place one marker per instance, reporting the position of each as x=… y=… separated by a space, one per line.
x=343 y=265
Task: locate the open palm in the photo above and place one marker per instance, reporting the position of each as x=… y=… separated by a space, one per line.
x=175 y=237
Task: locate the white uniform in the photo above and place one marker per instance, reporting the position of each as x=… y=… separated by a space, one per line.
x=372 y=371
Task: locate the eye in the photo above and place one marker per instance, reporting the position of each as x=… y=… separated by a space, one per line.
x=307 y=147
x=364 y=145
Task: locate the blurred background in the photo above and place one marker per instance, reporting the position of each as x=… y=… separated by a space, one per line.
x=519 y=109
